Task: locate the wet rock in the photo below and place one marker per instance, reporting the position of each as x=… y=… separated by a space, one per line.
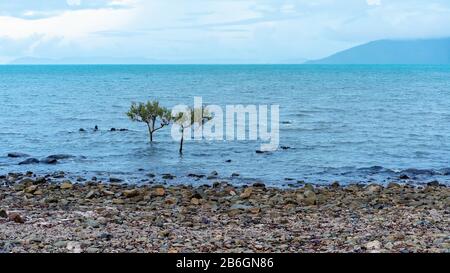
x=17 y=218
x=49 y=161
x=3 y=213
x=433 y=183
x=81 y=130
x=247 y=192
x=168 y=176
x=393 y=185
x=16 y=155
x=60 y=156
x=212 y=175
x=235 y=175
x=66 y=185
x=404 y=176
x=285 y=147
x=115 y=180
x=29 y=161
x=259 y=185
x=228 y=161
x=198 y=176
x=335 y=185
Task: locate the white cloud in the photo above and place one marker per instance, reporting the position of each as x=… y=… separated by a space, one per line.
x=373 y=2
x=73 y=2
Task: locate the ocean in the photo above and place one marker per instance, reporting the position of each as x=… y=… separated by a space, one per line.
x=337 y=123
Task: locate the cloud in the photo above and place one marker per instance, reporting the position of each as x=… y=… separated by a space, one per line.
x=264 y=30
x=73 y=2
x=374 y=2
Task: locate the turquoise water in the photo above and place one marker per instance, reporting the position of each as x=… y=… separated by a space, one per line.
x=345 y=123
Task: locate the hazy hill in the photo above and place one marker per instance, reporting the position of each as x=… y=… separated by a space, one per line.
x=432 y=51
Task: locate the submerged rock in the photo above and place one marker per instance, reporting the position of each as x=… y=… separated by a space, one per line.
x=60 y=156
x=29 y=161
x=50 y=161
x=16 y=155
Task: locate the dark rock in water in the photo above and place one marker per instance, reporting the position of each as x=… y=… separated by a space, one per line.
x=286 y=122
x=15 y=155
x=260 y=152
x=113 y=129
x=285 y=147
x=335 y=185
x=151 y=175
x=404 y=176
x=235 y=175
x=60 y=156
x=40 y=180
x=49 y=161
x=29 y=161
x=123 y=130
x=419 y=172
x=445 y=171
x=228 y=160
x=259 y=185
x=433 y=183
x=115 y=180
x=168 y=176
x=81 y=130
x=196 y=175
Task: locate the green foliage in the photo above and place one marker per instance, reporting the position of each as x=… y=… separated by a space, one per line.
x=190 y=117
x=150 y=113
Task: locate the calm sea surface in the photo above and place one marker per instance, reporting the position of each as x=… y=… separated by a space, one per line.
x=345 y=123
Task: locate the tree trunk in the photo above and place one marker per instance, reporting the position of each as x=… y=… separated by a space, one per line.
x=181 y=142
x=150 y=132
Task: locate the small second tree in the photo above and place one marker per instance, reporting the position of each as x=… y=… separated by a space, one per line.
x=150 y=113
x=190 y=117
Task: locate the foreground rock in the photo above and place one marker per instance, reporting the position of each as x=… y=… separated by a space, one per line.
x=114 y=217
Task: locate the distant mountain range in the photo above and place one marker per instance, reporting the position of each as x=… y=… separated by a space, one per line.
x=431 y=51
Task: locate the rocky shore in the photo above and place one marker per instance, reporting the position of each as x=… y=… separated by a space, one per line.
x=51 y=214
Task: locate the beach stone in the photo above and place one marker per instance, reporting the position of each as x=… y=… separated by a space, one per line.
x=195 y=201
x=66 y=185
x=160 y=191
x=40 y=180
x=247 y=192
x=373 y=245
x=15 y=217
x=74 y=247
x=118 y=201
x=393 y=185
x=29 y=161
x=310 y=198
x=373 y=189
x=30 y=189
x=3 y=213
x=60 y=244
x=131 y=193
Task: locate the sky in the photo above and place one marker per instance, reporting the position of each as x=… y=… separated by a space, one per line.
x=210 y=31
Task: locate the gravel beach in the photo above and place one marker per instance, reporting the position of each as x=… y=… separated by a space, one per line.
x=51 y=214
